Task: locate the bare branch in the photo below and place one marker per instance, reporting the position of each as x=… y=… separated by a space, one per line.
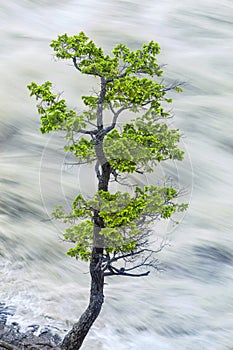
x=87 y=132
x=74 y=59
x=80 y=163
x=111 y=107
x=8 y=346
x=139 y=172
x=126 y=274
x=75 y=64
x=116 y=179
x=115 y=117
x=143 y=263
x=140 y=265
x=172 y=87
x=122 y=272
x=88 y=121
x=123 y=256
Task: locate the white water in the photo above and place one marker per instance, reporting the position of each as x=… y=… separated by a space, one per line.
x=188 y=306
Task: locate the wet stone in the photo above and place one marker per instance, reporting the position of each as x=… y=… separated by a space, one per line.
x=11 y=334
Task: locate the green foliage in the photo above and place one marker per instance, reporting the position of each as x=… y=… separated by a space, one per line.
x=143 y=61
x=140 y=145
x=80 y=234
x=91 y=60
x=55 y=114
x=121 y=213
x=83 y=150
x=134 y=90
x=129 y=82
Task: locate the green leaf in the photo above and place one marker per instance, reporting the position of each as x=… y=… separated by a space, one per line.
x=129 y=82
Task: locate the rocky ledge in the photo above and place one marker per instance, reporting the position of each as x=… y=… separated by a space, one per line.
x=12 y=338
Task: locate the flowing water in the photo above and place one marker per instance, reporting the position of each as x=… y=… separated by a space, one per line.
x=190 y=304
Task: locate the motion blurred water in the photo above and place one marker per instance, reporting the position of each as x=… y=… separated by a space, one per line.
x=190 y=304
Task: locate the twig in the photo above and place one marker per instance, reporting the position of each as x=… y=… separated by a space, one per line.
x=7 y=346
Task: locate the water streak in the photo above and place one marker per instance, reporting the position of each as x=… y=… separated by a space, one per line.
x=190 y=304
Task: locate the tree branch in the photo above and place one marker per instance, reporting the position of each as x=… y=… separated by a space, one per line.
x=87 y=132
x=171 y=87
x=80 y=163
x=8 y=346
x=143 y=263
x=115 y=117
x=75 y=64
x=88 y=121
x=126 y=274
x=116 y=77
x=131 y=254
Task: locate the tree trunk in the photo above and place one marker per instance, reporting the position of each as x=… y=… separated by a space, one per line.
x=74 y=339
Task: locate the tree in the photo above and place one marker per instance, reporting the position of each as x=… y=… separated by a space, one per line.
x=112 y=230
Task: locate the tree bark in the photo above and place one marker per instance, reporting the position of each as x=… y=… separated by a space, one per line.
x=74 y=339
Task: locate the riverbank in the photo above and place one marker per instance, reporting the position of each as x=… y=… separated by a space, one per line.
x=12 y=338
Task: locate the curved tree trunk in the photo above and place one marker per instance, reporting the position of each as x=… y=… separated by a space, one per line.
x=74 y=339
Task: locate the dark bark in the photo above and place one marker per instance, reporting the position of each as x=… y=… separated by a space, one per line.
x=74 y=339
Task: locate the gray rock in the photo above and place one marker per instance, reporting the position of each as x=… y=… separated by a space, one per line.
x=10 y=334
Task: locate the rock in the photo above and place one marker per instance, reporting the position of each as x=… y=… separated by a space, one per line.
x=11 y=338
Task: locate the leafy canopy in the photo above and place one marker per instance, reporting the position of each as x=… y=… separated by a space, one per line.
x=129 y=83
x=122 y=214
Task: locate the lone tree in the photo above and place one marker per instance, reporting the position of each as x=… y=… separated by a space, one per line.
x=112 y=230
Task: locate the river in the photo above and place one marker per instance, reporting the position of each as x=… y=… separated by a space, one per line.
x=189 y=305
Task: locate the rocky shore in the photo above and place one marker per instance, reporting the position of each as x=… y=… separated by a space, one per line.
x=12 y=338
